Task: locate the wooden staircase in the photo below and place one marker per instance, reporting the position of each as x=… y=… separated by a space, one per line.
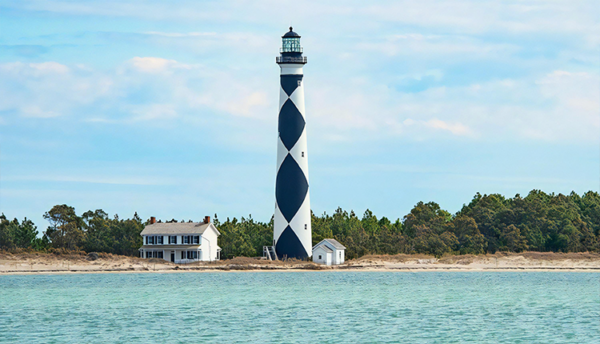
x=269 y=252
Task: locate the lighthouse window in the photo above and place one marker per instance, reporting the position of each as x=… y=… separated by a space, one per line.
x=291 y=45
x=305 y=226
x=303 y=154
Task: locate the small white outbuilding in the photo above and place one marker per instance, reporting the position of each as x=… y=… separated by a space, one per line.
x=328 y=252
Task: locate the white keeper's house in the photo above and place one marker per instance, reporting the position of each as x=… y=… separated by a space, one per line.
x=328 y=252
x=182 y=242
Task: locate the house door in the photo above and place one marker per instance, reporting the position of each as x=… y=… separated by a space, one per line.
x=172 y=257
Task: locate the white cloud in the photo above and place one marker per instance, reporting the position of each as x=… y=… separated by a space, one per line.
x=428 y=45
x=34 y=69
x=497 y=16
x=48 y=89
x=92 y=179
x=180 y=34
x=49 y=67
x=448 y=16
x=559 y=106
x=155 y=64
x=35 y=111
x=454 y=128
x=154 y=112
x=247 y=105
x=227 y=44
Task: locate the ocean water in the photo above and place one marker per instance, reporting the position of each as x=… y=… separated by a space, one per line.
x=302 y=307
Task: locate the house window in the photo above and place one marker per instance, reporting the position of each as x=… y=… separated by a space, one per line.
x=160 y=239
x=186 y=239
x=192 y=254
x=148 y=254
x=154 y=240
x=172 y=239
x=182 y=254
x=160 y=254
x=196 y=239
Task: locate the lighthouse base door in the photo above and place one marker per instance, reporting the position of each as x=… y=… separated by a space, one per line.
x=172 y=257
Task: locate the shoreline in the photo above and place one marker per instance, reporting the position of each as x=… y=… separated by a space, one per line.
x=36 y=263
x=420 y=269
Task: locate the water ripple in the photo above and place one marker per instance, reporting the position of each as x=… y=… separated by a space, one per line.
x=302 y=307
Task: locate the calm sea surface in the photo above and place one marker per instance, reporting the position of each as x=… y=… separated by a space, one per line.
x=302 y=307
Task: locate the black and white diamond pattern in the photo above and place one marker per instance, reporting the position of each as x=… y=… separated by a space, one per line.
x=292 y=230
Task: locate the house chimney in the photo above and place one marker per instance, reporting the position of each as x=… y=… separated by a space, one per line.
x=152 y=220
x=207 y=219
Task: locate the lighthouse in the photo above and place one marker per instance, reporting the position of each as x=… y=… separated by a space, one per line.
x=292 y=235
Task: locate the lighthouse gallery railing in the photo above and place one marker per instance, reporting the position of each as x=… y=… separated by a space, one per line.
x=287 y=59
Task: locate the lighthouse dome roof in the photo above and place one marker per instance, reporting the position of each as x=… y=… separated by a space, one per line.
x=291 y=34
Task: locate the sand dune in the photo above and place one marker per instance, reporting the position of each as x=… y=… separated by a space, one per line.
x=35 y=263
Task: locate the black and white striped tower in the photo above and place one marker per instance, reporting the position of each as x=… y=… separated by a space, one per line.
x=292 y=235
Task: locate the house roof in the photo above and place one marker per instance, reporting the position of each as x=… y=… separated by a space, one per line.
x=176 y=228
x=336 y=244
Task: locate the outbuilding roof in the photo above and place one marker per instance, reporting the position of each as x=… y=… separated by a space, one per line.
x=166 y=228
x=324 y=248
x=336 y=244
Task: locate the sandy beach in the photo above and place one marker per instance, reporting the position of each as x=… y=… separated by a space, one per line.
x=46 y=263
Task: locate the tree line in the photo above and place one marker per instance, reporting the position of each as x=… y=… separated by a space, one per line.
x=489 y=223
x=93 y=231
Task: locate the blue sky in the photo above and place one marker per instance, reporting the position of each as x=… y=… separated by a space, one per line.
x=170 y=109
